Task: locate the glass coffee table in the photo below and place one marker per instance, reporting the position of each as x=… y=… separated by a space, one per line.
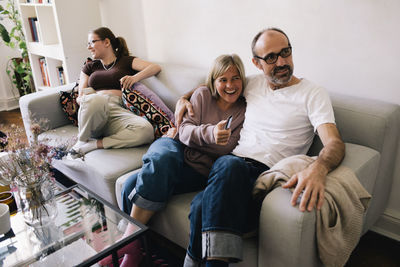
x=86 y=230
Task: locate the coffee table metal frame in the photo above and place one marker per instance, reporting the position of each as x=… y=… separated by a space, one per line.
x=112 y=249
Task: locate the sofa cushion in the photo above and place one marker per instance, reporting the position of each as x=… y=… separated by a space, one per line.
x=101 y=167
x=60 y=136
x=69 y=104
x=145 y=103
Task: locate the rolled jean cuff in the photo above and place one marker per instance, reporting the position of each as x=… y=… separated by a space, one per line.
x=222 y=245
x=190 y=262
x=144 y=203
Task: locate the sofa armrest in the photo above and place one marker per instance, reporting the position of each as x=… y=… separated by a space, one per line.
x=44 y=105
x=364 y=162
x=286 y=235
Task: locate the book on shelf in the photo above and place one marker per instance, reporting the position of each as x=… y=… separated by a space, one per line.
x=44 y=71
x=61 y=75
x=39 y=35
x=33 y=26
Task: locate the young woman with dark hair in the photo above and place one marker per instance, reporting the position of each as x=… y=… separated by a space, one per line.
x=103 y=121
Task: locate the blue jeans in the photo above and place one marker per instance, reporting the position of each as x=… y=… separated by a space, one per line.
x=225 y=210
x=163 y=174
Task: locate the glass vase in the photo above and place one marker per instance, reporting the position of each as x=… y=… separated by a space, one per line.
x=37 y=203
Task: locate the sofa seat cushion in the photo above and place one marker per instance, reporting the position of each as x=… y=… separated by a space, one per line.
x=60 y=136
x=101 y=167
x=174 y=219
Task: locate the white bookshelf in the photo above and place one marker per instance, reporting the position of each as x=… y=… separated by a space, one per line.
x=62 y=27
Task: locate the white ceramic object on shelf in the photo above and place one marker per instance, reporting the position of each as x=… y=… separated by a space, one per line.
x=4 y=219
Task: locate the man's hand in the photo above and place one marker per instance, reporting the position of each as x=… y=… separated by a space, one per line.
x=181 y=107
x=311 y=183
x=221 y=135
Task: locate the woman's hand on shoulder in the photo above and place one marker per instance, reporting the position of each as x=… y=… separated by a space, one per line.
x=221 y=135
x=171 y=133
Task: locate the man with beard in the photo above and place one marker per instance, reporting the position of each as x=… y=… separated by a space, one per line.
x=282 y=116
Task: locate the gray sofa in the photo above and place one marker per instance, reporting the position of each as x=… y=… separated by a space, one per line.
x=286 y=236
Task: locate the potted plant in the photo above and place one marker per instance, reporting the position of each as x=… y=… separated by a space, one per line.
x=18 y=69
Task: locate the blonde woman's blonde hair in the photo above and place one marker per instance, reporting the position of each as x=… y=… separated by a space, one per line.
x=220 y=66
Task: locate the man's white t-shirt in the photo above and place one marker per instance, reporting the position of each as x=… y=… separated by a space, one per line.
x=281 y=123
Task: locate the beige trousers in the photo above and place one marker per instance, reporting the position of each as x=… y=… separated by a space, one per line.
x=103 y=116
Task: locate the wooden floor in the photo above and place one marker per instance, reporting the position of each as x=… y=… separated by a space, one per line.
x=373 y=249
x=10 y=117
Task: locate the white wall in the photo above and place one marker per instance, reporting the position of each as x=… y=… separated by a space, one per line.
x=348 y=46
x=125 y=18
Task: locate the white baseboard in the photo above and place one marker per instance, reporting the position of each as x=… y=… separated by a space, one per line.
x=388 y=224
x=9 y=104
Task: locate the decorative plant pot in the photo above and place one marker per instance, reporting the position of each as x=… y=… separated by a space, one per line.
x=37 y=202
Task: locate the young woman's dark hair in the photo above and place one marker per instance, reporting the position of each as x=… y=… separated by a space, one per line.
x=118 y=43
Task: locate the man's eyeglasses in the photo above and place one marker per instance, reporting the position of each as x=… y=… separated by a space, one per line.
x=271 y=58
x=91 y=42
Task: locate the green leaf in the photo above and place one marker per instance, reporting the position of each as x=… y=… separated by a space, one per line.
x=4 y=34
x=19 y=69
x=12 y=31
x=14 y=62
x=22 y=45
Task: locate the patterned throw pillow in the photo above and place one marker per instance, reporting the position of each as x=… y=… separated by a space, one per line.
x=69 y=104
x=145 y=103
x=68 y=101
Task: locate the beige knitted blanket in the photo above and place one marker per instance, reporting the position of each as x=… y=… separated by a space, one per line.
x=339 y=222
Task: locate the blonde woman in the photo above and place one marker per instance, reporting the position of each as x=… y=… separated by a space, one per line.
x=184 y=163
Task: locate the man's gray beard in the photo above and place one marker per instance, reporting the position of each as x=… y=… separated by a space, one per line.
x=283 y=80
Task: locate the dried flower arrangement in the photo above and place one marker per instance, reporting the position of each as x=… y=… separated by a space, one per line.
x=27 y=167
x=25 y=163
